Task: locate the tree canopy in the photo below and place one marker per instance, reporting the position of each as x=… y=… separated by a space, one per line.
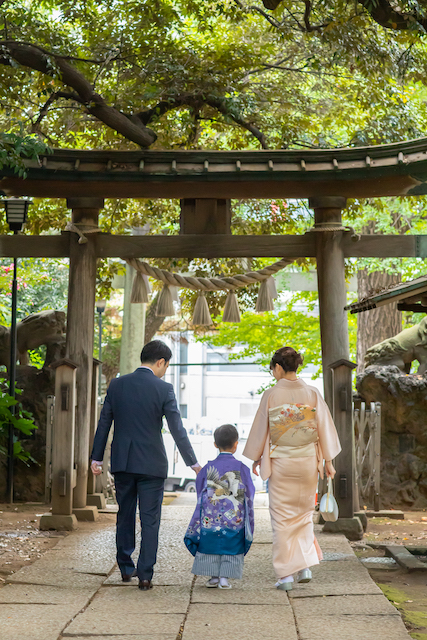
x=213 y=73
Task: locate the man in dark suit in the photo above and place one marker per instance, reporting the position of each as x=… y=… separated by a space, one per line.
x=137 y=403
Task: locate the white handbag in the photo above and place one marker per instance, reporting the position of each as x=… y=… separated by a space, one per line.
x=328 y=505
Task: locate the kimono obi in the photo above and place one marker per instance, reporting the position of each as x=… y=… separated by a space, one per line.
x=293 y=431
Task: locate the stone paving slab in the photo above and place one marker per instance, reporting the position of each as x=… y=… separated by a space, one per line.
x=86 y=552
x=219 y=622
x=170 y=578
x=55 y=577
x=344 y=605
x=32 y=621
x=164 y=577
x=332 y=542
x=243 y=592
x=40 y=594
x=317 y=590
x=138 y=636
x=343 y=579
x=82 y=559
x=164 y=600
x=405 y=558
x=351 y=627
x=92 y=621
x=72 y=576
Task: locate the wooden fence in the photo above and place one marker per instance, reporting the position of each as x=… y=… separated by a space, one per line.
x=367 y=438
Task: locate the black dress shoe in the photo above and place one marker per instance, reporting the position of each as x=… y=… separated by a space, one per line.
x=145 y=585
x=127 y=577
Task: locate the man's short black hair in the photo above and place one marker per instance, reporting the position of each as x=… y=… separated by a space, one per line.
x=155 y=350
x=226 y=436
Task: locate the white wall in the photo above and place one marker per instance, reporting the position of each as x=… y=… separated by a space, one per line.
x=213 y=397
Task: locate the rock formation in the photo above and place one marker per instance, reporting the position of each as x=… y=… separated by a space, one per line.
x=45 y=328
x=409 y=345
x=403 y=400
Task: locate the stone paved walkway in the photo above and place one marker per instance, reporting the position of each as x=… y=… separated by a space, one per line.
x=75 y=591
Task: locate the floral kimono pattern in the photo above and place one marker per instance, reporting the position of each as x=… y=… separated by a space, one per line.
x=292 y=425
x=223 y=521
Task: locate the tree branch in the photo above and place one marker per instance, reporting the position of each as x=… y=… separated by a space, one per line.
x=381 y=11
x=51 y=99
x=197 y=101
x=309 y=27
x=271 y=19
x=36 y=58
x=386 y=16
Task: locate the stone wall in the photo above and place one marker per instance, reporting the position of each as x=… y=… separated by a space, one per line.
x=403 y=400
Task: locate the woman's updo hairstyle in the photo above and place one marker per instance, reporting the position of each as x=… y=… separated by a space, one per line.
x=288 y=358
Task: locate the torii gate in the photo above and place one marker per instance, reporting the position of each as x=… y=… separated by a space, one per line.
x=327 y=178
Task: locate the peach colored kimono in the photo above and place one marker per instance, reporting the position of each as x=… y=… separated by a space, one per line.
x=292 y=470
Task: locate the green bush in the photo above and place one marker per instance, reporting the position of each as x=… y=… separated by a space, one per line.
x=22 y=422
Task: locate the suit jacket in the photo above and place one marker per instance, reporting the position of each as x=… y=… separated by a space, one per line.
x=137 y=403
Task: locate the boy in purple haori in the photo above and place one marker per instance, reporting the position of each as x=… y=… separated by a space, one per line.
x=221 y=530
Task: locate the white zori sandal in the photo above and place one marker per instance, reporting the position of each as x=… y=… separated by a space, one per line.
x=285 y=584
x=305 y=576
x=224 y=584
x=212 y=583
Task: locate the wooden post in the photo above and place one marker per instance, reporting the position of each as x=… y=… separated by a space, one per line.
x=331 y=285
x=335 y=351
x=205 y=215
x=63 y=471
x=343 y=418
x=80 y=335
x=93 y=498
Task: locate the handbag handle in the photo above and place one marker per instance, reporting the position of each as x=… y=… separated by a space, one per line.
x=330 y=492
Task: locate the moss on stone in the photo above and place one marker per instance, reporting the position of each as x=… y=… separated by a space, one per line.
x=395 y=596
x=417 y=619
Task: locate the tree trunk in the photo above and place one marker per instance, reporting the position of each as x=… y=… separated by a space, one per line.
x=375 y=325
x=152 y=322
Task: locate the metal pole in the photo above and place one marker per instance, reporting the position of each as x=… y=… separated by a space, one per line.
x=100 y=351
x=12 y=378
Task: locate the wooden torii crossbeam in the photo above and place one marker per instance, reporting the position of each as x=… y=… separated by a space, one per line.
x=214 y=246
x=386 y=170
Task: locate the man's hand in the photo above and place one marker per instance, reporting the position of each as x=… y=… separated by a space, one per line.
x=96 y=468
x=197 y=468
x=255 y=466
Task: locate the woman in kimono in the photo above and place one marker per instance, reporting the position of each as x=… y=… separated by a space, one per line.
x=291 y=435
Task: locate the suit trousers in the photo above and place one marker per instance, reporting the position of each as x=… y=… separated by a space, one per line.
x=147 y=491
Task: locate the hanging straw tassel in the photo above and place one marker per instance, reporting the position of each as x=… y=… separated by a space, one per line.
x=174 y=293
x=147 y=283
x=264 y=301
x=139 y=291
x=201 y=314
x=272 y=287
x=231 y=309
x=165 y=303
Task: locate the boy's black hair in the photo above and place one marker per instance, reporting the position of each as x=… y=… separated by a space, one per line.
x=155 y=350
x=226 y=436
